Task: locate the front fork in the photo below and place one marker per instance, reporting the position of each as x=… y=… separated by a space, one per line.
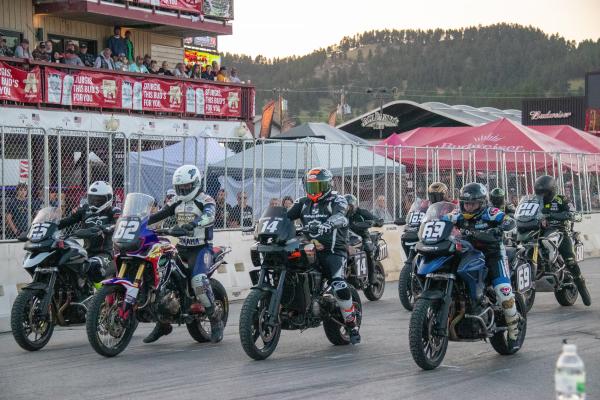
x=131 y=290
x=49 y=292
x=445 y=298
x=275 y=297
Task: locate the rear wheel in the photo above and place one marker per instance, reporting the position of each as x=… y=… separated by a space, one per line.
x=259 y=339
x=108 y=333
x=426 y=347
x=200 y=328
x=375 y=291
x=30 y=330
x=567 y=295
x=500 y=341
x=335 y=330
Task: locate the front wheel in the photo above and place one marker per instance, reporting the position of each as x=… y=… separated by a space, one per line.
x=500 y=341
x=335 y=330
x=200 y=329
x=109 y=333
x=30 y=330
x=427 y=348
x=259 y=339
x=529 y=298
x=405 y=284
x=375 y=291
x=567 y=295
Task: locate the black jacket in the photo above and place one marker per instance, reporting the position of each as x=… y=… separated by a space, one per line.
x=559 y=212
x=330 y=209
x=106 y=218
x=361 y=215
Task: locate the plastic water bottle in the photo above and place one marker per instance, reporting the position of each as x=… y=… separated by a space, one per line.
x=569 y=377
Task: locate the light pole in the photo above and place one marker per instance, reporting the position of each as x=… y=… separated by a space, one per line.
x=380 y=94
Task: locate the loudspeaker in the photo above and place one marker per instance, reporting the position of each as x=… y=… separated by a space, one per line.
x=39 y=34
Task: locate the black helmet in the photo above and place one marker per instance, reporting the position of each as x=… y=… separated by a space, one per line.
x=352 y=203
x=497 y=196
x=318 y=183
x=473 y=193
x=437 y=192
x=545 y=186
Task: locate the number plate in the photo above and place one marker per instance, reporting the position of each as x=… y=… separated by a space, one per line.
x=579 y=252
x=382 y=251
x=523 y=277
x=360 y=263
x=527 y=210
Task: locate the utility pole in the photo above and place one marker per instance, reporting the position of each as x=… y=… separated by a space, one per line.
x=342 y=102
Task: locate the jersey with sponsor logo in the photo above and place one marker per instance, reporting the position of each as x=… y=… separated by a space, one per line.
x=559 y=212
x=331 y=208
x=90 y=219
x=491 y=217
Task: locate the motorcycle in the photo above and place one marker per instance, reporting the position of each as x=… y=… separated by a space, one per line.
x=289 y=291
x=540 y=248
x=60 y=292
x=409 y=285
x=455 y=304
x=357 y=271
x=152 y=284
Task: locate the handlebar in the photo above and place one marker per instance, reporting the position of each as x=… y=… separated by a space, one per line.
x=175 y=232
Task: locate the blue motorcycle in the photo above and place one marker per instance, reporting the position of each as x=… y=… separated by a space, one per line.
x=456 y=304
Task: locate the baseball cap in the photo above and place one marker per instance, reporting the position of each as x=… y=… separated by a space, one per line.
x=83 y=45
x=171 y=192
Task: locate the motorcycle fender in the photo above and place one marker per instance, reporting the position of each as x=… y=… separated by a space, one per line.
x=36 y=286
x=31 y=262
x=131 y=291
x=432 y=295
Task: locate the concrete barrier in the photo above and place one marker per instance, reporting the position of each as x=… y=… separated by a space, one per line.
x=235 y=274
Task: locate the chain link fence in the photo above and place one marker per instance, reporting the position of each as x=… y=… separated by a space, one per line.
x=245 y=176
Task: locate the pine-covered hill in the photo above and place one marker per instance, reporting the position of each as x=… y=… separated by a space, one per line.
x=495 y=65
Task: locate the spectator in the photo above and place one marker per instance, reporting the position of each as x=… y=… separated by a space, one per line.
x=222 y=75
x=170 y=197
x=179 y=71
x=116 y=44
x=70 y=57
x=275 y=202
x=5 y=51
x=153 y=67
x=17 y=211
x=207 y=74
x=39 y=53
x=147 y=61
x=233 y=76
x=104 y=61
x=221 y=209
x=287 y=202
x=380 y=210
x=214 y=70
x=129 y=46
x=121 y=62
x=87 y=58
x=241 y=214
x=22 y=50
x=164 y=69
x=138 y=66
x=53 y=56
x=196 y=72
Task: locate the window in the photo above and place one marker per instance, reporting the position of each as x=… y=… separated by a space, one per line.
x=59 y=43
x=12 y=38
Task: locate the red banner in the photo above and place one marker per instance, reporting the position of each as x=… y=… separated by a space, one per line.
x=83 y=88
x=20 y=85
x=164 y=96
x=225 y=101
x=183 y=5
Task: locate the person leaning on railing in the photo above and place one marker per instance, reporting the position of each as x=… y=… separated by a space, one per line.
x=104 y=61
x=5 y=51
x=87 y=58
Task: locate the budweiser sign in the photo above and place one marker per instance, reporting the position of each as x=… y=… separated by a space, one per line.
x=379 y=121
x=534 y=115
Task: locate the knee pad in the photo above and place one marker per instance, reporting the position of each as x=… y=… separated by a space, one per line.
x=573 y=267
x=341 y=290
x=506 y=297
x=202 y=289
x=96 y=269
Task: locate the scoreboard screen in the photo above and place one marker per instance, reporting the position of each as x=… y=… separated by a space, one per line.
x=592 y=89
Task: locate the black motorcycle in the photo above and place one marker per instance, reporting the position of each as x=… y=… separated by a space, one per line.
x=540 y=247
x=60 y=291
x=409 y=284
x=456 y=304
x=289 y=290
x=357 y=271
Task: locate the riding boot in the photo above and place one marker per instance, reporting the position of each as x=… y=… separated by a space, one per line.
x=159 y=330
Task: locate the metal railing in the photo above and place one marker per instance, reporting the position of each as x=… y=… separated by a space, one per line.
x=39 y=167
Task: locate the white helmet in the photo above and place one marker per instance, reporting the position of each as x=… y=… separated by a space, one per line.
x=99 y=196
x=186 y=182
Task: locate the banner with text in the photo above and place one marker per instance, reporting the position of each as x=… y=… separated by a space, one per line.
x=224 y=101
x=20 y=85
x=183 y=5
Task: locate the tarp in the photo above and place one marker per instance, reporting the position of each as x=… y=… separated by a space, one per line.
x=292 y=158
x=157 y=166
x=485 y=147
x=322 y=131
x=583 y=141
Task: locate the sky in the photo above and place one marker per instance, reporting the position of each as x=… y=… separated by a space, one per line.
x=278 y=28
